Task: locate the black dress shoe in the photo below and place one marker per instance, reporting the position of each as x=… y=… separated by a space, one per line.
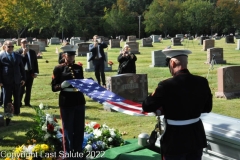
x=8 y=120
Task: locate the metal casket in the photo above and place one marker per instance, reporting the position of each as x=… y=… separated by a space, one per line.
x=223 y=137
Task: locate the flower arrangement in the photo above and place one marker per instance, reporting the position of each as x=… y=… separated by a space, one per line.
x=110 y=63
x=32 y=150
x=8 y=112
x=47 y=130
x=101 y=137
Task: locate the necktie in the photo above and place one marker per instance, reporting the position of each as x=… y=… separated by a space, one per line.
x=27 y=61
x=97 y=52
x=11 y=58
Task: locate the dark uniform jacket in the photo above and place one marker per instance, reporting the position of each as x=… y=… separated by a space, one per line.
x=64 y=72
x=183 y=97
x=127 y=64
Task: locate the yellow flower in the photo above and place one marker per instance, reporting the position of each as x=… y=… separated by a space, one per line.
x=44 y=147
x=7 y=158
x=37 y=148
x=47 y=158
x=29 y=158
x=18 y=149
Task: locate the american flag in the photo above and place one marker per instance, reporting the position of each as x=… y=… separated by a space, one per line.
x=108 y=98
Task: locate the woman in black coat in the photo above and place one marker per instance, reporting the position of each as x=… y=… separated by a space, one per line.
x=126 y=61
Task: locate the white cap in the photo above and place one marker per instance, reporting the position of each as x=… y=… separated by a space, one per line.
x=170 y=53
x=23 y=40
x=70 y=49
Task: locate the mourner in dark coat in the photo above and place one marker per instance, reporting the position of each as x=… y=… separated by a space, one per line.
x=126 y=61
x=98 y=58
x=29 y=58
x=71 y=101
x=181 y=99
x=12 y=76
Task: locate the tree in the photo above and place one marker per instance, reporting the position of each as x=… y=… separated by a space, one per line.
x=161 y=16
x=19 y=15
x=198 y=15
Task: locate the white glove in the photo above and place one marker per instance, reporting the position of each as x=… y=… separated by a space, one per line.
x=65 y=84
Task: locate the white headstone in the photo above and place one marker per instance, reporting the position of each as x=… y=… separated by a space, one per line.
x=158 y=59
x=238 y=44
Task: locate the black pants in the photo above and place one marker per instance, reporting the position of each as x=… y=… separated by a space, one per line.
x=197 y=155
x=27 y=88
x=10 y=90
x=99 y=70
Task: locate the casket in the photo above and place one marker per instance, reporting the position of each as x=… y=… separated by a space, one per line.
x=223 y=137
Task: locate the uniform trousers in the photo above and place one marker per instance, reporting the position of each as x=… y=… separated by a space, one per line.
x=73 y=122
x=99 y=70
x=197 y=155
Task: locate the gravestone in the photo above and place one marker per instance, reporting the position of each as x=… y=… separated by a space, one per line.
x=90 y=66
x=179 y=36
x=114 y=43
x=134 y=46
x=122 y=37
x=215 y=54
x=147 y=42
x=217 y=38
x=130 y=86
x=34 y=47
x=106 y=40
x=30 y=39
x=131 y=38
x=208 y=43
x=176 y=41
x=229 y=39
x=2 y=41
x=83 y=39
x=54 y=40
x=155 y=38
x=1 y=121
x=44 y=40
x=228 y=82
x=158 y=59
x=83 y=49
x=41 y=45
x=238 y=44
x=237 y=36
x=74 y=39
x=201 y=39
x=77 y=41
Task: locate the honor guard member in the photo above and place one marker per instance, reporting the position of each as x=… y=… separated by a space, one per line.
x=181 y=100
x=71 y=101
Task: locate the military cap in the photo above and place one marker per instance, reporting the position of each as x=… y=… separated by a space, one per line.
x=70 y=49
x=170 y=53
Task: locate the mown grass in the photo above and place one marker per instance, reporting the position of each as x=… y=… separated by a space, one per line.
x=14 y=134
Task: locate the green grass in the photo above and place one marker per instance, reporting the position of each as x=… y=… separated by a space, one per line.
x=14 y=134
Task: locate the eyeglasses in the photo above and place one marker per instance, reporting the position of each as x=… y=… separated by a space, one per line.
x=10 y=46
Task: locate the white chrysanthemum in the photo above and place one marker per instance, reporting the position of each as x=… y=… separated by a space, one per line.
x=112 y=133
x=44 y=127
x=47 y=135
x=41 y=106
x=104 y=126
x=110 y=139
x=28 y=149
x=88 y=147
x=92 y=124
x=97 y=133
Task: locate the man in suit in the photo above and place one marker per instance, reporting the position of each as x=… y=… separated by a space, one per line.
x=12 y=76
x=181 y=99
x=29 y=59
x=98 y=58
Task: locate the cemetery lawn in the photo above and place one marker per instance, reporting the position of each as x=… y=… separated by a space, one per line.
x=14 y=135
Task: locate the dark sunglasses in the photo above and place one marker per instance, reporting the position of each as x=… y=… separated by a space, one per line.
x=10 y=46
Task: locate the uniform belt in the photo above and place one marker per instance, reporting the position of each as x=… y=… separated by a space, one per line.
x=183 y=122
x=70 y=89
